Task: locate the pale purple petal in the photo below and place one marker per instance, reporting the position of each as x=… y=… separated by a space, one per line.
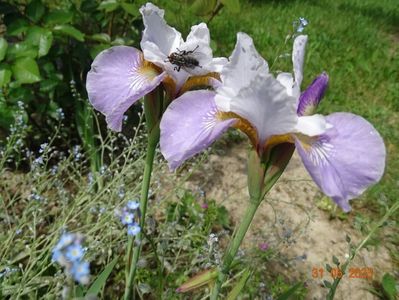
x=312 y=96
x=345 y=160
x=189 y=126
x=116 y=80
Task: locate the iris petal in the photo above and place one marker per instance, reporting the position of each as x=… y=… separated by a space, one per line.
x=189 y=125
x=243 y=66
x=312 y=96
x=345 y=160
x=266 y=105
x=118 y=78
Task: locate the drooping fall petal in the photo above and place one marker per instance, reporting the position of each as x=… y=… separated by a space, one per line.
x=118 y=78
x=346 y=160
x=189 y=125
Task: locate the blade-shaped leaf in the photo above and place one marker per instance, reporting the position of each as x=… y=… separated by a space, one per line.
x=70 y=31
x=101 y=279
x=239 y=286
x=198 y=280
x=26 y=70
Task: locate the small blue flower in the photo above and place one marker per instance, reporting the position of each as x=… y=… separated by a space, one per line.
x=301 y=24
x=74 y=253
x=65 y=240
x=127 y=218
x=133 y=205
x=80 y=271
x=133 y=229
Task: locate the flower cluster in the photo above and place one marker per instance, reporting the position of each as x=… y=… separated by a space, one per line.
x=68 y=252
x=343 y=153
x=128 y=217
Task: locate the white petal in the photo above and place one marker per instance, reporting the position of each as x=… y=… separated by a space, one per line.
x=312 y=125
x=298 y=56
x=288 y=82
x=244 y=64
x=159 y=39
x=267 y=106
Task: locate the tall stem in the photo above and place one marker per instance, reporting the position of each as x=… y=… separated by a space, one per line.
x=151 y=110
x=234 y=245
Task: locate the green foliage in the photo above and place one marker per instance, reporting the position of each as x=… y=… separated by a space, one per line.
x=389 y=286
x=101 y=279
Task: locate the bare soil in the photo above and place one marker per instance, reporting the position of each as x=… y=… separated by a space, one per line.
x=289 y=214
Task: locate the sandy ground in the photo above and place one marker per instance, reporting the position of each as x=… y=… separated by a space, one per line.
x=290 y=221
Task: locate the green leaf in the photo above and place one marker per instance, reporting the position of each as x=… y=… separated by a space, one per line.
x=26 y=70
x=95 y=50
x=232 y=5
x=58 y=17
x=203 y=7
x=40 y=37
x=327 y=284
x=17 y=27
x=35 y=10
x=5 y=75
x=328 y=268
x=19 y=50
x=6 y=116
x=108 y=5
x=389 y=286
x=70 y=31
x=290 y=292
x=239 y=286
x=101 y=37
x=335 y=260
x=101 y=279
x=3 y=48
x=130 y=8
x=198 y=280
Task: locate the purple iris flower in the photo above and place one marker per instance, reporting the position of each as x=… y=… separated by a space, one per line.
x=343 y=152
x=121 y=75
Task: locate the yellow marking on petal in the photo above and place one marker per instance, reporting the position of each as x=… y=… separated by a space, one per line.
x=241 y=124
x=150 y=70
x=279 y=139
x=170 y=86
x=199 y=82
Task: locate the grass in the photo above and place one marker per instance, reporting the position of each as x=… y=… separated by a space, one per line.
x=354 y=41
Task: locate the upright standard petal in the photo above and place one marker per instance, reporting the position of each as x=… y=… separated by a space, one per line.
x=159 y=39
x=293 y=84
x=189 y=125
x=298 y=57
x=312 y=96
x=267 y=106
x=243 y=66
x=345 y=160
x=118 y=78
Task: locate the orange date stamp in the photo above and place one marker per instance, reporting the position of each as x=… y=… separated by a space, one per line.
x=359 y=273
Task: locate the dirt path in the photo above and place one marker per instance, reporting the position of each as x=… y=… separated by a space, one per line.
x=290 y=215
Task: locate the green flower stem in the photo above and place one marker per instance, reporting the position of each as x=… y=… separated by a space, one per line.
x=331 y=293
x=234 y=245
x=151 y=109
